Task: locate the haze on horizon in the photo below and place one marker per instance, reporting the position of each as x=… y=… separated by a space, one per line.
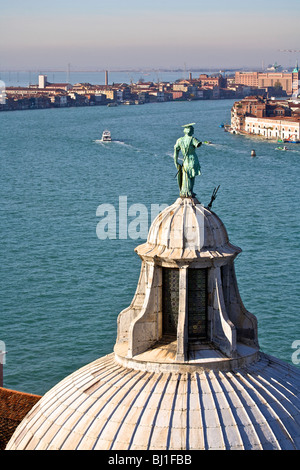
x=136 y=34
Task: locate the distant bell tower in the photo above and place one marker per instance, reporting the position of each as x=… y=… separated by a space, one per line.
x=296 y=81
x=42 y=81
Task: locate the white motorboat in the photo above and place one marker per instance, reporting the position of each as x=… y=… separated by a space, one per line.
x=106 y=136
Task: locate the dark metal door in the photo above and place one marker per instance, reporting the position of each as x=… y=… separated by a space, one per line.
x=197 y=303
x=170 y=300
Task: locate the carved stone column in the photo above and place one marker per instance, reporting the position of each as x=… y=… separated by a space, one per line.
x=182 y=330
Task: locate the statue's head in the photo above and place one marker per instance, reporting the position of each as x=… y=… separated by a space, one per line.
x=188 y=129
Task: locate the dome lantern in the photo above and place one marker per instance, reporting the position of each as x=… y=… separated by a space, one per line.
x=187 y=295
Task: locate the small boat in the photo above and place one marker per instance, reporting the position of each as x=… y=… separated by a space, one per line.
x=106 y=136
x=288 y=141
x=207 y=142
x=282 y=148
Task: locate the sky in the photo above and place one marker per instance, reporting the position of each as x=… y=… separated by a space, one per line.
x=128 y=34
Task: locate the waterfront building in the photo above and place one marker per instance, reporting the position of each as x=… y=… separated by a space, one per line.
x=214 y=80
x=58 y=87
x=141 y=85
x=179 y=95
x=123 y=92
x=288 y=81
x=59 y=100
x=26 y=101
x=43 y=84
x=186 y=86
x=247 y=78
x=13 y=91
x=270 y=119
x=203 y=87
x=274 y=127
x=187 y=372
x=109 y=92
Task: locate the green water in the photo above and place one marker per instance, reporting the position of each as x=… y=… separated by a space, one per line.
x=62 y=287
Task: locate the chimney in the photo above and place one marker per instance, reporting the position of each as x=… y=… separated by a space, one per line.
x=106 y=77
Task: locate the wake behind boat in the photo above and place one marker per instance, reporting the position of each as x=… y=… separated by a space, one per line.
x=106 y=136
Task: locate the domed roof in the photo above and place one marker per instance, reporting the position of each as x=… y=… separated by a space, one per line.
x=187 y=229
x=169 y=387
x=106 y=406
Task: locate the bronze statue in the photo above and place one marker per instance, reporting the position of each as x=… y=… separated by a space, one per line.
x=190 y=167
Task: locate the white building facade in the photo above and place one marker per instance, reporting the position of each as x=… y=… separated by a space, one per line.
x=273 y=128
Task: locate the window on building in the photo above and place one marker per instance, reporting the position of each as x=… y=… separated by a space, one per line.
x=170 y=300
x=197 y=304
